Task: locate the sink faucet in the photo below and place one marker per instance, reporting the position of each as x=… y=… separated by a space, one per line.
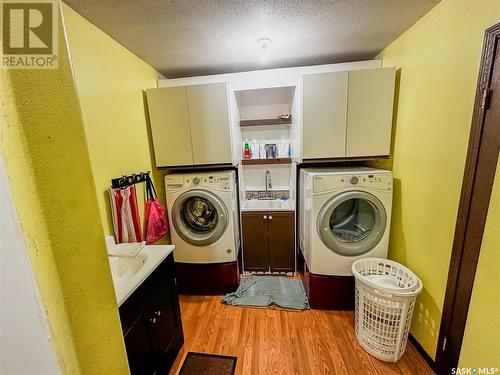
x=268 y=180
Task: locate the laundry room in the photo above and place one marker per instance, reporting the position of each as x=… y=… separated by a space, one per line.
x=257 y=187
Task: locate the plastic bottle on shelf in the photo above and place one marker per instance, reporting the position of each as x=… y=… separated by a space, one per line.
x=254 y=149
x=262 y=150
x=246 y=152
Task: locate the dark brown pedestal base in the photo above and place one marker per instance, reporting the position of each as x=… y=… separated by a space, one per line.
x=207 y=279
x=327 y=292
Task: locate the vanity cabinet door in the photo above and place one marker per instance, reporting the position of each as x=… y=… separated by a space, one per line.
x=255 y=241
x=281 y=236
x=140 y=353
x=166 y=327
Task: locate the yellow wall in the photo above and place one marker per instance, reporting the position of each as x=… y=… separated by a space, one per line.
x=481 y=346
x=439 y=60
x=110 y=81
x=45 y=154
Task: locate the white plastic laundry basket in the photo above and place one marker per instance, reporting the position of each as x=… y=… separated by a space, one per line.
x=385 y=298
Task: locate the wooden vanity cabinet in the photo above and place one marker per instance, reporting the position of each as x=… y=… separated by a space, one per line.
x=268 y=241
x=151 y=322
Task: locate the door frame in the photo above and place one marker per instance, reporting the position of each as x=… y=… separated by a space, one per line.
x=477 y=184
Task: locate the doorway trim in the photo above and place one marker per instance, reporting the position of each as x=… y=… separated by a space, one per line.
x=475 y=196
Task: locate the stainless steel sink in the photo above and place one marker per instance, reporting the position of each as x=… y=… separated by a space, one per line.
x=254 y=205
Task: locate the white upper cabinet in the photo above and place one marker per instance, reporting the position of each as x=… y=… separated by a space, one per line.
x=190 y=125
x=369 y=112
x=168 y=114
x=347 y=114
x=324 y=107
x=209 y=119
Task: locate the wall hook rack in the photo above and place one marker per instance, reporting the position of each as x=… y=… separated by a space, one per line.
x=127 y=180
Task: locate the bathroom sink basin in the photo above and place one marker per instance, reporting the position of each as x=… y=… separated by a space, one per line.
x=128 y=272
x=123 y=268
x=266 y=205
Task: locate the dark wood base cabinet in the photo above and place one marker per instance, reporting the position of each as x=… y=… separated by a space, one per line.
x=151 y=322
x=268 y=241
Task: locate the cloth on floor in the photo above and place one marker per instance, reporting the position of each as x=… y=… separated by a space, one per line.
x=265 y=291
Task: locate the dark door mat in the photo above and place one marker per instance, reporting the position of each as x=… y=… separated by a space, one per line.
x=210 y=364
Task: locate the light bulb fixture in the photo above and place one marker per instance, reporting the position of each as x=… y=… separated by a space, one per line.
x=264 y=45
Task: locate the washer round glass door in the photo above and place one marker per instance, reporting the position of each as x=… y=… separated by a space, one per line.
x=352 y=223
x=199 y=217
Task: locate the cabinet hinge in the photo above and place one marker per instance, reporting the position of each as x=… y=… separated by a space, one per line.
x=485 y=100
x=444 y=344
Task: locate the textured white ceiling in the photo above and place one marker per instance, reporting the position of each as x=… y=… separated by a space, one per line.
x=197 y=37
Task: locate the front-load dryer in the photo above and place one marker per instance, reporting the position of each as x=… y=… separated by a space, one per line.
x=204 y=223
x=345 y=215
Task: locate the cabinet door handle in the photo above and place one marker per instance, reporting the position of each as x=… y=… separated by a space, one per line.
x=158 y=313
x=264 y=217
x=270 y=217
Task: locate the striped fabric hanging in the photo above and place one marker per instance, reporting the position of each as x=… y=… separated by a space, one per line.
x=125 y=214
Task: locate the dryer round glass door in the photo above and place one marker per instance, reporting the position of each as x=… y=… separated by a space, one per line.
x=199 y=217
x=352 y=223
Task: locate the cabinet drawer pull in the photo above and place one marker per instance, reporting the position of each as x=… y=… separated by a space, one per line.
x=270 y=217
x=264 y=217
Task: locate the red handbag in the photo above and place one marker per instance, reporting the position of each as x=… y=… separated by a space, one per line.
x=155 y=220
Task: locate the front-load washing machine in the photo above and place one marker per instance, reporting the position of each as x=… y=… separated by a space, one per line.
x=204 y=223
x=345 y=215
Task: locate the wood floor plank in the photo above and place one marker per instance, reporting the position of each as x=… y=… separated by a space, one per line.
x=272 y=341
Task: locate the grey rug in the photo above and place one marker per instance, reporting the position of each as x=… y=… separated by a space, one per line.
x=262 y=291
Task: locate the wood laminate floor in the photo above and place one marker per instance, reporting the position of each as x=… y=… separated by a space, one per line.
x=270 y=341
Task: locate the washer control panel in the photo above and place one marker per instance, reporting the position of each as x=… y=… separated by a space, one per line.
x=373 y=180
x=208 y=180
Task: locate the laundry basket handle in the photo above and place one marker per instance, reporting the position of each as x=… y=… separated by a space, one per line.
x=382 y=294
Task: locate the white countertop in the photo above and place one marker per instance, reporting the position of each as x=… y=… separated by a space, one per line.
x=130 y=272
x=266 y=205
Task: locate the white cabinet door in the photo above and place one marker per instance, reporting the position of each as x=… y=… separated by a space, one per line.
x=209 y=120
x=324 y=106
x=168 y=113
x=369 y=112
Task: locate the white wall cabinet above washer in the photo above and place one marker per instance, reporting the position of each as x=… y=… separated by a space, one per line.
x=190 y=125
x=346 y=114
x=168 y=113
x=324 y=115
x=369 y=112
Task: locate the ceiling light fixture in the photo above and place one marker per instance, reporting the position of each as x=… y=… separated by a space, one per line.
x=264 y=45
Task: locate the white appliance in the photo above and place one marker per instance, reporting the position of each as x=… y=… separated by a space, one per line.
x=345 y=215
x=203 y=214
